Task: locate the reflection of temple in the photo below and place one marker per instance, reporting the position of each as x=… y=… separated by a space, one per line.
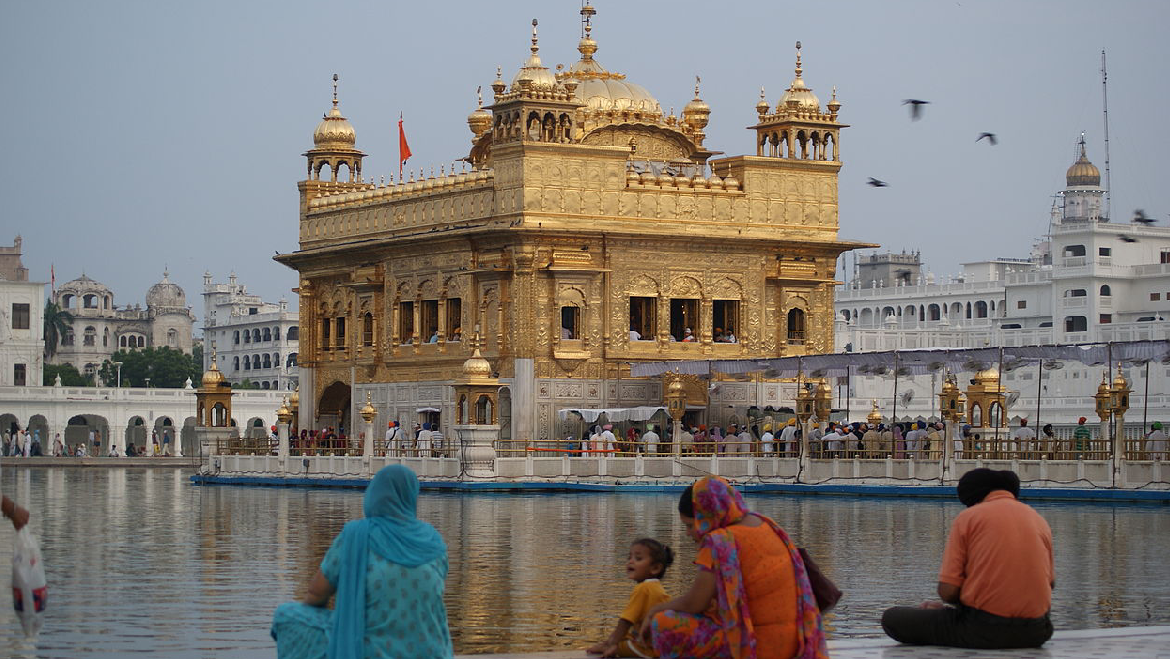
x=594 y=230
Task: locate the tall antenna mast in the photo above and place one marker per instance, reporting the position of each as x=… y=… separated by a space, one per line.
x=1105 y=103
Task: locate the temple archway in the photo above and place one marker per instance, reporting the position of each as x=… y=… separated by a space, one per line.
x=333 y=407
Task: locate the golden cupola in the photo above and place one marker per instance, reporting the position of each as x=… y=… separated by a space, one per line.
x=334 y=129
x=333 y=147
x=534 y=75
x=697 y=114
x=212 y=377
x=1083 y=172
x=479 y=121
x=799 y=97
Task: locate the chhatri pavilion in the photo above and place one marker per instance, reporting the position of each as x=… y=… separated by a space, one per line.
x=591 y=231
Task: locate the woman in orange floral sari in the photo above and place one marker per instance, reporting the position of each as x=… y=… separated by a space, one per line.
x=751 y=598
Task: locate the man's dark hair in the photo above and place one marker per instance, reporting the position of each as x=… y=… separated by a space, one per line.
x=976 y=484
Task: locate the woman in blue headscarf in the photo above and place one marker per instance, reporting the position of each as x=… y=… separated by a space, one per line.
x=388 y=572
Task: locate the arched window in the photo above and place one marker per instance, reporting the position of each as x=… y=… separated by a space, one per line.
x=122 y=341
x=267 y=334
x=255 y=361
x=267 y=360
x=236 y=337
x=934 y=311
x=247 y=336
x=276 y=333
x=172 y=338
x=1106 y=291
x=368 y=329
x=142 y=342
x=293 y=333
x=980 y=309
x=796 y=333
x=236 y=363
x=247 y=363
x=256 y=335
x=276 y=359
x=292 y=359
x=90 y=338
x=106 y=337
x=264 y=384
x=968 y=309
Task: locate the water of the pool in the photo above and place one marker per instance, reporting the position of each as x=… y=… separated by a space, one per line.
x=141 y=562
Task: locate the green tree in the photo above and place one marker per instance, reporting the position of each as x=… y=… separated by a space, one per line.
x=196 y=374
x=58 y=321
x=246 y=384
x=167 y=368
x=70 y=377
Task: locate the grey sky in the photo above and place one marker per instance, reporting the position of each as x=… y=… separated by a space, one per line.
x=139 y=134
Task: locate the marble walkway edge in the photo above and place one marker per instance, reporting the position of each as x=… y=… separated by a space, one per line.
x=1114 y=643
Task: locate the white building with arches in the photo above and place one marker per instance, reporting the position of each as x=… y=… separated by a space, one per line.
x=22 y=345
x=254 y=340
x=100 y=327
x=1091 y=280
x=125 y=415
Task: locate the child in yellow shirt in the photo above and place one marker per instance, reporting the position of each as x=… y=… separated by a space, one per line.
x=646 y=564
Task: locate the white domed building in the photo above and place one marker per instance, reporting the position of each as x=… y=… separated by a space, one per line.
x=100 y=328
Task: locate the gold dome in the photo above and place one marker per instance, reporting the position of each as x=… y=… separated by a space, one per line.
x=1083 y=172
x=603 y=90
x=799 y=96
x=697 y=113
x=212 y=377
x=988 y=374
x=1103 y=388
x=295 y=399
x=1120 y=382
x=334 y=129
x=476 y=367
x=875 y=415
x=537 y=75
x=479 y=121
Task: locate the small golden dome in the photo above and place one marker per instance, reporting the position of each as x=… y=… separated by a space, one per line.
x=476 y=367
x=799 y=96
x=479 y=121
x=675 y=387
x=875 y=415
x=283 y=414
x=988 y=374
x=1082 y=171
x=1103 y=388
x=762 y=106
x=697 y=113
x=212 y=377
x=334 y=129
x=537 y=75
x=368 y=412
x=1120 y=382
x=824 y=389
x=295 y=399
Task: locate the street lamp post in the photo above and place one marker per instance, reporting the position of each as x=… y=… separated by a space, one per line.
x=119 y=365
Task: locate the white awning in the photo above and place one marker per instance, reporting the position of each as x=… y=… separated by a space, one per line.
x=613 y=414
x=428 y=409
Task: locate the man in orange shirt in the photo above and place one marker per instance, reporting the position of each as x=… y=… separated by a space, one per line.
x=996 y=578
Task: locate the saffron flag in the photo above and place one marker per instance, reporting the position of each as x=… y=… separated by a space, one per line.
x=403 y=148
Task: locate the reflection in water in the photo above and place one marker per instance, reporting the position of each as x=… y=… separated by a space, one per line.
x=140 y=561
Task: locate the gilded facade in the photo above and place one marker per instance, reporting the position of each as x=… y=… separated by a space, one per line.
x=592 y=230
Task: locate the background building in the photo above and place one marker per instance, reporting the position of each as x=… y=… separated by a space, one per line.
x=1090 y=280
x=594 y=230
x=254 y=340
x=22 y=308
x=100 y=328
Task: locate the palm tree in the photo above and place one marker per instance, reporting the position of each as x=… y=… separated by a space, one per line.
x=58 y=322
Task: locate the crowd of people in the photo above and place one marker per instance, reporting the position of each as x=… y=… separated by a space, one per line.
x=753 y=593
x=19 y=442
x=919 y=440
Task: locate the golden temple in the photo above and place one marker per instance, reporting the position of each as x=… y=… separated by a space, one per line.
x=589 y=230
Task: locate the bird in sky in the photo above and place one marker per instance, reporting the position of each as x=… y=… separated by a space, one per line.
x=915 y=107
x=1127 y=239
x=1139 y=217
x=875 y=183
x=991 y=139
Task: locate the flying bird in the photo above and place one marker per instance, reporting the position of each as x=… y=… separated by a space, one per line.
x=915 y=107
x=1127 y=239
x=991 y=139
x=1139 y=217
x=874 y=183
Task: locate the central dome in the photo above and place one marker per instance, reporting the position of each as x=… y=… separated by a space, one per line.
x=602 y=90
x=334 y=130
